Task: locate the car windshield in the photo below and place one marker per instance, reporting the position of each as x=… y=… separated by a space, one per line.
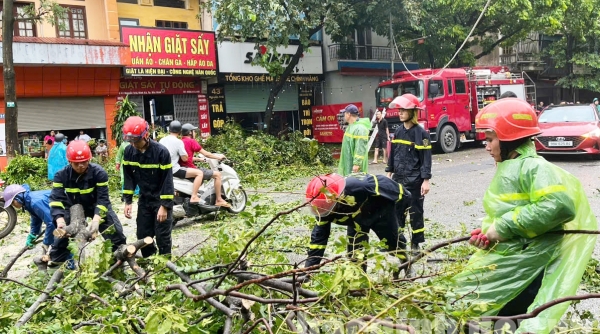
x=568 y=114
x=385 y=94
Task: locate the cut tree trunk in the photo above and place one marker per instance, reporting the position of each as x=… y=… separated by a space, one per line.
x=125 y=252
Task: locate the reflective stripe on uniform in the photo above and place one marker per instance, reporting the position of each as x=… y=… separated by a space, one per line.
x=102 y=184
x=57 y=185
x=166 y=196
x=400 y=141
x=376 y=184
x=421 y=230
x=312 y=246
x=536 y=194
x=57 y=205
x=79 y=191
x=401 y=192
x=128 y=192
x=133 y=163
x=421 y=147
x=355 y=136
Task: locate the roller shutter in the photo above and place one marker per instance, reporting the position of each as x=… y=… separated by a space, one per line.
x=186 y=108
x=249 y=98
x=61 y=113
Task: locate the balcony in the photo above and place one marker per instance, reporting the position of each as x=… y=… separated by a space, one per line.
x=364 y=52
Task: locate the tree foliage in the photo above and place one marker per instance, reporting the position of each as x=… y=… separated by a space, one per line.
x=125 y=109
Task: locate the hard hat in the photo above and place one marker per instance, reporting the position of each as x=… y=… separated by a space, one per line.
x=406 y=101
x=510 y=118
x=175 y=127
x=322 y=191
x=187 y=128
x=78 y=151
x=11 y=192
x=134 y=129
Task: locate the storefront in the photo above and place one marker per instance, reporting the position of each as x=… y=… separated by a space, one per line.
x=245 y=87
x=168 y=76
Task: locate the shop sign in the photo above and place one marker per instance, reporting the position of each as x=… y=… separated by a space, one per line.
x=203 y=116
x=216 y=106
x=266 y=78
x=170 y=52
x=306 y=99
x=326 y=128
x=164 y=85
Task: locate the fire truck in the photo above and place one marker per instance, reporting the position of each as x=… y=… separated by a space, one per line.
x=451 y=99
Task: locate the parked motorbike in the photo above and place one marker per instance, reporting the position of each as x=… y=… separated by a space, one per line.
x=8 y=216
x=231 y=190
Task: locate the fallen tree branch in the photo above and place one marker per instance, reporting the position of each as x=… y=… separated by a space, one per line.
x=422 y=254
x=276 y=284
x=228 y=325
x=21 y=284
x=77 y=226
x=289 y=320
x=86 y=323
x=18 y=255
x=368 y=318
x=183 y=288
x=261 y=320
x=98 y=298
x=541 y=308
x=262 y=230
x=125 y=252
x=56 y=278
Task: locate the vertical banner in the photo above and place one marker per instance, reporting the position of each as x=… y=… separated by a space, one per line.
x=216 y=107
x=203 y=117
x=325 y=122
x=306 y=99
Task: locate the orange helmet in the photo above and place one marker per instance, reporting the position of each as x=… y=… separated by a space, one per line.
x=322 y=192
x=134 y=129
x=510 y=118
x=406 y=101
x=78 y=151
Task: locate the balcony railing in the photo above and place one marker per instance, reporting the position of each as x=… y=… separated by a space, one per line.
x=364 y=52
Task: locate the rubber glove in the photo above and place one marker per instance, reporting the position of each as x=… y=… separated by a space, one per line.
x=30 y=239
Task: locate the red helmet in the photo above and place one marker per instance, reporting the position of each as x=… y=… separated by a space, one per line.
x=510 y=118
x=406 y=101
x=323 y=191
x=134 y=129
x=78 y=151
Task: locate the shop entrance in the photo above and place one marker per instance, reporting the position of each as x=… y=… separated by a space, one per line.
x=164 y=106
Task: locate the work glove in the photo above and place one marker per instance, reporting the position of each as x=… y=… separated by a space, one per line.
x=93 y=228
x=30 y=240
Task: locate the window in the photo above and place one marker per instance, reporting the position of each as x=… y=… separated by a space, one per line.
x=171 y=24
x=449 y=87
x=21 y=28
x=129 y=22
x=72 y=24
x=460 y=87
x=170 y=3
x=386 y=94
x=440 y=84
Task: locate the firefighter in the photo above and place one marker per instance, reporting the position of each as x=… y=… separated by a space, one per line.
x=525 y=261
x=85 y=183
x=147 y=164
x=372 y=208
x=354 y=155
x=409 y=164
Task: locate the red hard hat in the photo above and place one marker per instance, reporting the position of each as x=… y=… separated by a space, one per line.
x=135 y=128
x=510 y=118
x=406 y=101
x=323 y=191
x=78 y=151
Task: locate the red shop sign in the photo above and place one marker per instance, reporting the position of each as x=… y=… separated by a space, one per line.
x=326 y=128
x=203 y=118
x=158 y=85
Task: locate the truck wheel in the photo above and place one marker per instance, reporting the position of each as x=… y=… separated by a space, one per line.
x=448 y=139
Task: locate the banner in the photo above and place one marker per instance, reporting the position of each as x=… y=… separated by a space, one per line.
x=156 y=51
x=159 y=85
x=306 y=100
x=216 y=107
x=203 y=118
x=326 y=128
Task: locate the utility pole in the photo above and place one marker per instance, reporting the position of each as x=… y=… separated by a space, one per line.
x=393 y=52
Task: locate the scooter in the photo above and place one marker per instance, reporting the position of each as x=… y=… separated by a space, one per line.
x=8 y=216
x=231 y=191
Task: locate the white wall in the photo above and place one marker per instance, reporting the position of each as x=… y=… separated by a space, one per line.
x=345 y=89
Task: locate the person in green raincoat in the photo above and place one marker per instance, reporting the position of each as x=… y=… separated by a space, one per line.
x=119 y=165
x=354 y=155
x=525 y=260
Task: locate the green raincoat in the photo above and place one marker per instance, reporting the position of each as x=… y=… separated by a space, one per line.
x=527 y=198
x=354 y=147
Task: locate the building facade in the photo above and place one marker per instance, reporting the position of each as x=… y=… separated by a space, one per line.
x=67 y=75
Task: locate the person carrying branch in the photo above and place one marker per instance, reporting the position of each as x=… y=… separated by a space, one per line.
x=85 y=183
x=525 y=260
x=362 y=202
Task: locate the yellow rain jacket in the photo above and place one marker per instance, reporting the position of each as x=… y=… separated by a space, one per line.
x=354 y=147
x=527 y=198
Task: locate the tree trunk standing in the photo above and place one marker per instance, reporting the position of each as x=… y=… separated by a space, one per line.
x=10 y=94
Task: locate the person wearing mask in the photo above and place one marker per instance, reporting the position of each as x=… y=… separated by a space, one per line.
x=373 y=208
x=147 y=164
x=383 y=134
x=354 y=155
x=192 y=146
x=525 y=261
x=409 y=164
x=85 y=183
x=57 y=157
x=36 y=203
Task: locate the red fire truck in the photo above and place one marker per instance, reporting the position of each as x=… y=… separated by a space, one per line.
x=451 y=99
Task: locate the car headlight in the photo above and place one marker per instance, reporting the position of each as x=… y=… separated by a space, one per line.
x=595 y=133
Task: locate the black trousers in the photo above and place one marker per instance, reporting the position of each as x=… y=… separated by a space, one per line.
x=380 y=218
x=415 y=211
x=148 y=226
x=59 y=251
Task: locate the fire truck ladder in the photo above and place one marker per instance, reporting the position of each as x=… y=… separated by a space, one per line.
x=530 y=91
x=375 y=130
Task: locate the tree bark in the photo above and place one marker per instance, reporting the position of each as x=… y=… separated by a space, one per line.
x=10 y=92
x=56 y=278
x=283 y=79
